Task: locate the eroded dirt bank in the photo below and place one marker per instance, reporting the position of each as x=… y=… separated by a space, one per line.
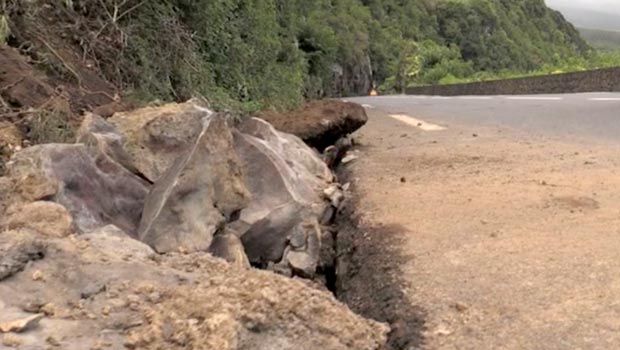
x=484 y=238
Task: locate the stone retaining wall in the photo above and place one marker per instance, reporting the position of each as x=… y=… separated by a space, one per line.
x=599 y=80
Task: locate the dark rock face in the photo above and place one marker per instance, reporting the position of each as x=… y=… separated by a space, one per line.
x=280 y=226
x=200 y=193
x=95 y=190
x=320 y=123
x=229 y=247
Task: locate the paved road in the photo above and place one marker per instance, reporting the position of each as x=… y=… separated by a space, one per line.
x=584 y=115
x=498 y=230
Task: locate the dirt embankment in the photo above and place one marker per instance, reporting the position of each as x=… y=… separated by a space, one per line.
x=319 y=123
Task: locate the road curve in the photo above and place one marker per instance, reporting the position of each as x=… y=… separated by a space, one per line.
x=588 y=115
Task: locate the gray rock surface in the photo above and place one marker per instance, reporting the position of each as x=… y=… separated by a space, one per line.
x=200 y=192
x=229 y=247
x=95 y=190
x=155 y=137
x=104 y=140
x=286 y=182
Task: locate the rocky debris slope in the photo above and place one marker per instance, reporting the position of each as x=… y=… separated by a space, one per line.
x=83 y=226
x=320 y=123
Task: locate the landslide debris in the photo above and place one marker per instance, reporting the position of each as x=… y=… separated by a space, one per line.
x=81 y=226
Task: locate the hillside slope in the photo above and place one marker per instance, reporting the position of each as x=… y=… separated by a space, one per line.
x=255 y=54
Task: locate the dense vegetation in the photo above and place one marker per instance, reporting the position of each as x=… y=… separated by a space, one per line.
x=277 y=52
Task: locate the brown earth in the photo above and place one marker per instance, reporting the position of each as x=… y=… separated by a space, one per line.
x=319 y=123
x=485 y=238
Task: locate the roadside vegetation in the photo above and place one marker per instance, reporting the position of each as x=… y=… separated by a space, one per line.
x=251 y=54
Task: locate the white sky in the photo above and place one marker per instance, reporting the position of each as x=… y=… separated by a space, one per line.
x=612 y=6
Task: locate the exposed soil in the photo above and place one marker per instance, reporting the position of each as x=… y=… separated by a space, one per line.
x=319 y=123
x=369 y=276
x=485 y=238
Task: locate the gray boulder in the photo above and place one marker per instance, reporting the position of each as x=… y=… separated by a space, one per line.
x=195 y=198
x=286 y=180
x=103 y=140
x=229 y=247
x=96 y=190
x=155 y=137
x=303 y=160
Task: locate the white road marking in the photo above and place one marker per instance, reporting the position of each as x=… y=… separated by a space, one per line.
x=534 y=98
x=604 y=99
x=368 y=106
x=475 y=97
x=441 y=98
x=420 y=124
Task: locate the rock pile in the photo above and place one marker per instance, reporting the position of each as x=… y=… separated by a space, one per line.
x=83 y=223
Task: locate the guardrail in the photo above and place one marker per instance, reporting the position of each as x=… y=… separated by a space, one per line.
x=598 y=80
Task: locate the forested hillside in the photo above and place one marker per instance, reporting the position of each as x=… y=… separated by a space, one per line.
x=277 y=52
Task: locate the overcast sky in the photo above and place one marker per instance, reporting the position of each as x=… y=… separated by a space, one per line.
x=596 y=5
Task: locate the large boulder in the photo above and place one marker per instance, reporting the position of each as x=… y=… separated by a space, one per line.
x=155 y=137
x=286 y=179
x=303 y=160
x=103 y=140
x=200 y=192
x=228 y=246
x=95 y=190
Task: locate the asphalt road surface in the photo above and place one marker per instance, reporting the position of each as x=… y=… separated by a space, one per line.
x=498 y=219
x=581 y=115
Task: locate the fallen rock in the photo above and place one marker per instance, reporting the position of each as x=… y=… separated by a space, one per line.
x=229 y=247
x=320 y=123
x=104 y=140
x=16 y=253
x=334 y=154
x=47 y=218
x=349 y=158
x=112 y=241
x=155 y=137
x=96 y=191
x=201 y=192
x=303 y=160
x=21 y=324
x=281 y=200
x=287 y=193
x=304 y=246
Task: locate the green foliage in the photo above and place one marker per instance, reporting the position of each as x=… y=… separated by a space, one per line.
x=252 y=54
